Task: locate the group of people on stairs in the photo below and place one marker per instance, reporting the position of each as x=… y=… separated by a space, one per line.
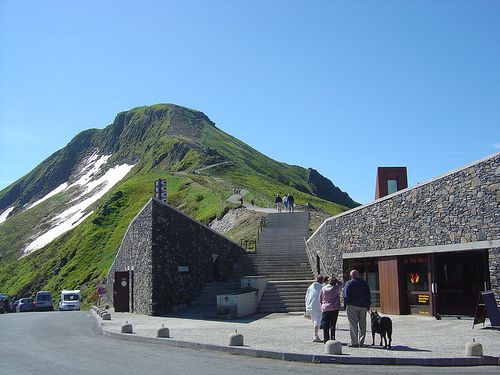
x=288 y=202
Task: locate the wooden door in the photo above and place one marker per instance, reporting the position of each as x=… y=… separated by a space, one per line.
x=389 y=286
x=121 y=291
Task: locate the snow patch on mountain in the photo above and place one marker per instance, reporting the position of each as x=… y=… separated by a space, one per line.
x=57 y=190
x=90 y=190
x=5 y=214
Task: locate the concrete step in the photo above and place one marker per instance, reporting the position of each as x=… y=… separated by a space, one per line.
x=292 y=257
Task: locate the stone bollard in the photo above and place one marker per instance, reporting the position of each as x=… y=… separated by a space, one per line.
x=163 y=332
x=127 y=328
x=333 y=347
x=473 y=349
x=106 y=316
x=236 y=339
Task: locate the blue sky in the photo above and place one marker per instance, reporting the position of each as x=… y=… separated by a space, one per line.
x=340 y=86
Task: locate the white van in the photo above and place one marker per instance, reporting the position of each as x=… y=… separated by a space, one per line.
x=70 y=300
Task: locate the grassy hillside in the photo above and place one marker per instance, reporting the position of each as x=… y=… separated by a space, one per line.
x=162 y=141
x=83 y=256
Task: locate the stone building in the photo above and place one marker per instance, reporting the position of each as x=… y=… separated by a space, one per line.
x=165 y=259
x=428 y=249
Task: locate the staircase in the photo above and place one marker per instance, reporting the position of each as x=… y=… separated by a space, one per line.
x=281 y=255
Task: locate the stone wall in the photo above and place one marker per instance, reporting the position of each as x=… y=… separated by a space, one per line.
x=494 y=257
x=158 y=241
x=460 y=207
x=135 y=253
x=180 y=241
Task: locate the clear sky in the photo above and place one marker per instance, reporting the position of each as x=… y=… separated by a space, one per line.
x=339 y=86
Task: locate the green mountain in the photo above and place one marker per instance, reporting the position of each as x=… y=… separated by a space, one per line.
x=61 y=224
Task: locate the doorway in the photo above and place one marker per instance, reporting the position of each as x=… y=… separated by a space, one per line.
x=459 y=277
x=121 y=290
x=415 y=280
x=368 y=270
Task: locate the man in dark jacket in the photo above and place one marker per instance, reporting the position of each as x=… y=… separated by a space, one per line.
x=357 y=298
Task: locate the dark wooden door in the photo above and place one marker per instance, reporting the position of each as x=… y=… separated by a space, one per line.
x=121 y=291
x=389 y=286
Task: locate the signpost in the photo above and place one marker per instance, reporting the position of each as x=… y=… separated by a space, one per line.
x=487 y=307
x=101 y=290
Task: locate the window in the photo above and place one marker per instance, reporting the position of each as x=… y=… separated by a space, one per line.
x=70 y=297
x=392 y=186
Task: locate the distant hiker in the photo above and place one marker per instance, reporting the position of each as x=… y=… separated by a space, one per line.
x=278 y=201
x=285 y=202
x=252 y=201
x=241 y=200
x=313 y=306
x=291 y=202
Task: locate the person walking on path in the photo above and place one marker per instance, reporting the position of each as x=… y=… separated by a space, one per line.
x=285 y=202
x=357 y=298
x=313 y=307
x=291 y=200
x=329 y=298
x=277 y=201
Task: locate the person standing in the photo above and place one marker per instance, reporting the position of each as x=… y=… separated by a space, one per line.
x=291 y=201
x=329 y=298
x=277 y=201
x=357 y=298
x=313 y=307
x=285 y=202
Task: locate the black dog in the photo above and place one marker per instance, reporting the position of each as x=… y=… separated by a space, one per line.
x=383 y=326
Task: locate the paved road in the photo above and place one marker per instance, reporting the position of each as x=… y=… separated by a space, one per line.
x=68 y=343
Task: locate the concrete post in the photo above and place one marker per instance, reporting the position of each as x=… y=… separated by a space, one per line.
x=127 y=328
x=333 y=347
x=106 y=316
x=163 y=332
x=474 y=349
x=235 y=339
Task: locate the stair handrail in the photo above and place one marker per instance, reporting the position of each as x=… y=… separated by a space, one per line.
x=262 y=225
x=252 y=244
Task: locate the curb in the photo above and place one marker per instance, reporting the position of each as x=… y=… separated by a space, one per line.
x=311 y=358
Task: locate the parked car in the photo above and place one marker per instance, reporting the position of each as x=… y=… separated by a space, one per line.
x=4 y=303
x=70 y=300
x=43 y=301
x=26 y=304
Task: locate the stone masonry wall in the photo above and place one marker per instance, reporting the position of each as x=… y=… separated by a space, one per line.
x=178 y=240
x=457 y=208
x=494 y=257
x=135 y=251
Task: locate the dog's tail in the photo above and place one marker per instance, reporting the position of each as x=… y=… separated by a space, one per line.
x=389 y=329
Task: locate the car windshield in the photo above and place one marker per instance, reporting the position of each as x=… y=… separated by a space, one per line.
x=44 y=297
x=70 y=297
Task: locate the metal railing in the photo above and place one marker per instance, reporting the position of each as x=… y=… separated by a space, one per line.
x=252 y=244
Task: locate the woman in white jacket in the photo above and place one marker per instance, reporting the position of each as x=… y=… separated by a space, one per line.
x=313 y=306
